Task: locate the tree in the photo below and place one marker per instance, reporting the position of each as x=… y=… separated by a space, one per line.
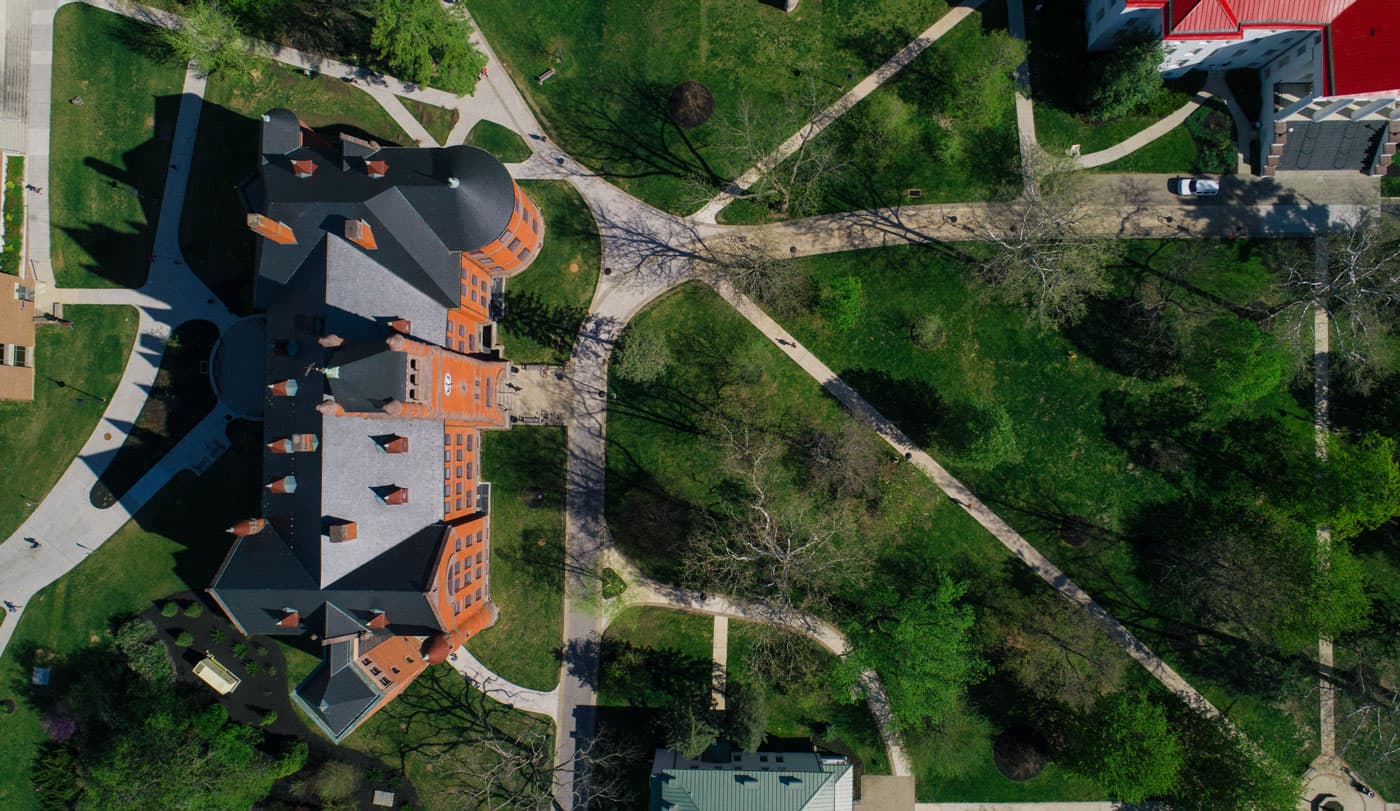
x=1360 y=486
x=1040 y=255
x=781 y=551
x=1234 y=362
x=1360 y=290
x=791 y=184
x=208 y=36
x=746 y=714
x=643 y=356
x=1055 y=650
x=849 y=462
x=919 y=644
x=425 y=43
x=689 y=730
x=1125 y=78
x=1127 y=746
x=1223 y=769
x=781 y=285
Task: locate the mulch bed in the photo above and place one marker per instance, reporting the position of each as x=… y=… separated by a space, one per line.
x=262 y=691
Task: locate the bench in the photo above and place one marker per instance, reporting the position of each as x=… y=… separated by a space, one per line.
x=544 y=77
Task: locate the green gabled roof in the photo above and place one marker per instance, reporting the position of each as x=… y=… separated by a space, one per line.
x=725 y=789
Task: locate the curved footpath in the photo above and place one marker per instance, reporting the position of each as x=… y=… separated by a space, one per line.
x=65 y=524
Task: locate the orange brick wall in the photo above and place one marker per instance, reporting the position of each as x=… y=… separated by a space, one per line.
x=518 y=246
x=462 y=444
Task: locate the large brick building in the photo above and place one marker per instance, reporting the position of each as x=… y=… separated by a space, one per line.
x=1329 y=69
x=376 y=268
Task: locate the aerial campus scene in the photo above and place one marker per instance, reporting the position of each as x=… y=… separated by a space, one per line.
x=733 y=405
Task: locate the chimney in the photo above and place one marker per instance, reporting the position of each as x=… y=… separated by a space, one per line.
x=401 y=325
x=330 y=341
x=340 y=533
x=380 y=620
x=393 y=495
x=272 y=229
x=290 y=619
x=286 y=484
x=330 y=408
x=392 y=444
x=303 y=168
x=305 y=443
x=248 y=526
x=283 y=445
x=283 y=388
x=358 y=232
x=376 y=169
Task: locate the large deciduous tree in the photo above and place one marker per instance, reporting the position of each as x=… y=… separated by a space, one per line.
x=210 y=37
x=423 y=42
x=919 y=645
x=1128 y=747
x=1041 y=254
x=791 y=185
x=1125 y=78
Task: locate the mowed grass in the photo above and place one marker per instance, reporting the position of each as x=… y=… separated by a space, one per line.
x=438 y=121
x=665 y=473
x=687 y=636
x=525 y=467
x=109 y=149
x=918 y=133
x=616 y=63
x=1179 y=151
x=42 y=437
x=546 y=304
x=176 y=542
x=507 y=146
x=213 y=236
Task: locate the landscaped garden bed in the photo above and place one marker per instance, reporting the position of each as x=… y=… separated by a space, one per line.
x=13 y=252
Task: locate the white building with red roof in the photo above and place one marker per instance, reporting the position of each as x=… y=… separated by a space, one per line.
x=1330 y=69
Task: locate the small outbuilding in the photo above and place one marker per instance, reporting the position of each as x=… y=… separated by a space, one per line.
x=214 y=674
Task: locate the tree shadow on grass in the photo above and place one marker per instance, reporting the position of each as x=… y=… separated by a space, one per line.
x=1123 y=335
x=912 y=405
x=551 y=325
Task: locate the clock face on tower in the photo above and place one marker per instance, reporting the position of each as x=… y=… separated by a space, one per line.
x=447 y=384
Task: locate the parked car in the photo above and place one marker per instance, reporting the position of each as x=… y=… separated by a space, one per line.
x=1197 y=187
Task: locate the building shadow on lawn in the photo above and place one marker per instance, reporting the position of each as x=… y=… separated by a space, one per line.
x=121 y=252
x=179 y=400
x=214 y=236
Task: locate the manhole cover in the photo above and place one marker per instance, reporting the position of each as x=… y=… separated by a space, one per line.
x=107 y=435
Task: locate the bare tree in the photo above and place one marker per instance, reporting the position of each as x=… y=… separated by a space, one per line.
x=507 y=772
x=774 y=281
x=1358 y=286
x=1042 y=255
x=779 y=551
x=790 y=185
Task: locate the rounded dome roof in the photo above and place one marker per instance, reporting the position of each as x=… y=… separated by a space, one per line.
x=472 y=203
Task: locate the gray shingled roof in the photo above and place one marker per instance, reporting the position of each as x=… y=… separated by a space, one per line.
x=1330 y=145
x=337 y=693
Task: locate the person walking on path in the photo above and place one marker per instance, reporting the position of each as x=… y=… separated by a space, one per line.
x=33 y=188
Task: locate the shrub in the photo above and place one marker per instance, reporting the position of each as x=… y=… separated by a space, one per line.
x=149 y=661
x=643 y=356
x=1235 y=362
x=1126 y=78
x=844 y=302
x=133 y=633
x=613 y=584
x=185 y=639
x=1212 y=130
x=337 y=781
x=240 y=650
x=269 y=718
x=60 y=727
x=218 y=635
x=928 y=332
x=194 y=610
x=170 y=609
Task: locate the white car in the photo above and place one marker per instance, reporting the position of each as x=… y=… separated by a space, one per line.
x=1197 y=187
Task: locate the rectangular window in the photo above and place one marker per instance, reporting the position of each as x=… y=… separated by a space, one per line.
x=384 y=681
x=469 y=470
x=456 y=608
x=469 y=442
x=514 y=245
x=471 y=341
x=459 y=470
x=459 y=505
x=478 y=594
x=490 y=403
x=478 y=540
x=4 y=355
x=459 y=454
x=476 y=389
x=459 y=440
x=21 y=355
x=459 y=489
x=469 y=576
x=525 y=254
x=446 y=490
x=478 y=557
x=374 y=671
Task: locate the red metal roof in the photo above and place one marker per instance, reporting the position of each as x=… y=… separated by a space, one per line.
x=1194 y=17
x=1363 y=50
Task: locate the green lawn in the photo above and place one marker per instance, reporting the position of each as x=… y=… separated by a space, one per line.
x=945 y=126
x=607 y=103
x=666 y=471
x=1182 y=151
x=107 y=150
x=547 y=303
x=499 y=141
x=213 y=237
x=42 y=437
x=525 y=467
x=684 y=638
x=175 y=542
x=437 y=120
x=13 y=252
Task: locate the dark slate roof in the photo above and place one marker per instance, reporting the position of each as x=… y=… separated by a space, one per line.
x=363 y=377
x=1331 y=145
x=429 y=206
x=337 y=692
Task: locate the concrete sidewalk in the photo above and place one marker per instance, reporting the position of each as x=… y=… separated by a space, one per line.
x=482 y=678
x=1142 y=138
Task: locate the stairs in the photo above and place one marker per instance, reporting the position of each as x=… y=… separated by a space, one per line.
x=14 y=93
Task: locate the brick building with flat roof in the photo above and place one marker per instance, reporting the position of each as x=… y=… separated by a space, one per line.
x=382 y=368
x=16 y=339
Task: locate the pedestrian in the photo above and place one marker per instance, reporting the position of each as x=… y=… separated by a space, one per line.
x=33 y=544
x=11 y=606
